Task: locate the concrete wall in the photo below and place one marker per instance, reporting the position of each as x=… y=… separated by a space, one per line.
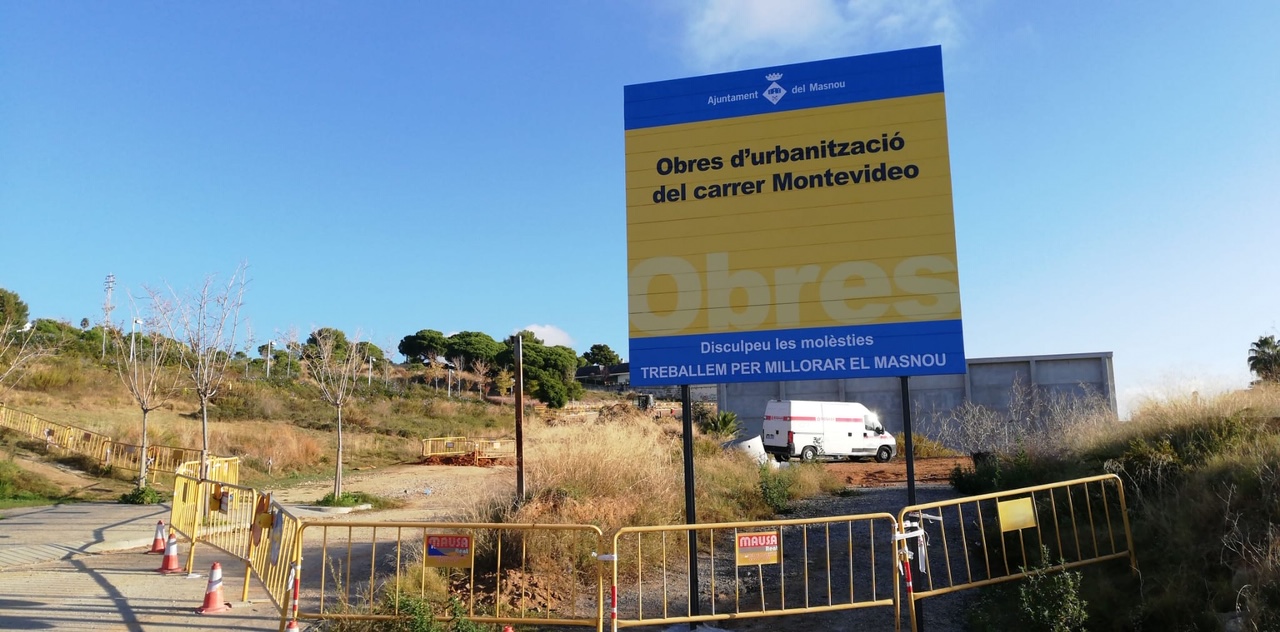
x=989 y=382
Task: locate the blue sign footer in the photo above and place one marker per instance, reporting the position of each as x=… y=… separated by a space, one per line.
x=882 y=350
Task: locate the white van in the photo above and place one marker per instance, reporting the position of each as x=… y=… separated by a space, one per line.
x=811 y=430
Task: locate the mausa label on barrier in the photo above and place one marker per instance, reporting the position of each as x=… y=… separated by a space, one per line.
x=448 y=550
x=758 y=547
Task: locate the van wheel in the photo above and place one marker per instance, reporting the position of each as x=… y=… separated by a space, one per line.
x=884 y=454
x=781 y=458
x=808 y=454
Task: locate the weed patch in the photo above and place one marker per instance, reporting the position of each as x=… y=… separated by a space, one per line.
x=353 y=499
x=142 y=496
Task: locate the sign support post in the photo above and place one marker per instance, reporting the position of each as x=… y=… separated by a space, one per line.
x=909 y=447
x=690 y=511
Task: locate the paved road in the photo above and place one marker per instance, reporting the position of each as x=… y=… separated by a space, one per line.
x=55 y=574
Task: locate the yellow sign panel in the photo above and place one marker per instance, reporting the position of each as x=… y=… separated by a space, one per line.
x=1016 y=514
x=823 y=239
x=759 y=547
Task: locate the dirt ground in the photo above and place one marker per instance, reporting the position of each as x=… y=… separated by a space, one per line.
x=429 y=492
x=871 y=474
x=436 y=491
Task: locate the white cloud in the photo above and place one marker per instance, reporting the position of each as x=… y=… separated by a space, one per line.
x=549 y=334
x=730 y=34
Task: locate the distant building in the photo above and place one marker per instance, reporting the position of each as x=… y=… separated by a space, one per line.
x=989 y=382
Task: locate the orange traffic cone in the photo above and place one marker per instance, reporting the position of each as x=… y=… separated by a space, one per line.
x=293 y=625
x=157 y=545
x=507 y=628
x=170 y=562
x=213 y=593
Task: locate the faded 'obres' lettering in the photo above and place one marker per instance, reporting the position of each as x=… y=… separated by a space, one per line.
x=849 y=292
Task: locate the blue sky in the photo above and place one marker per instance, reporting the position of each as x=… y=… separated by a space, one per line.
x=388 y=167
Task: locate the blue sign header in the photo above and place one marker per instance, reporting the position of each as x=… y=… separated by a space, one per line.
x=744 y=93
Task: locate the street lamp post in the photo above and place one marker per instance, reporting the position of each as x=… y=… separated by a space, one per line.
x=369 y=382
x=270 y=343
x=133 y=333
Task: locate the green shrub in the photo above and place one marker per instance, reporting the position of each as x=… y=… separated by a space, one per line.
x=995 y=472
x=142 y=496
x=775 y=488
x=725 y=423
x=1050 y=600
x=924 y=447
x=552 y=392
x=1149 y=466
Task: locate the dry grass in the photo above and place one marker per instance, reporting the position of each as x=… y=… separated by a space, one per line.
x=1202 y=482
x=628 y=471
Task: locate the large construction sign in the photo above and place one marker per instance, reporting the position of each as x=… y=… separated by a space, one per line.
x=792 y=223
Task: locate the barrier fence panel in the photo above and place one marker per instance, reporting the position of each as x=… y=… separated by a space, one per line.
x=222 y=469
x=64 y=436
x=445 y=446
x=756 y=569
x=184 y=513
x=492 y=573
x=244 y=523
x=991 y=538
x=226 y=517
x=494 y=448
x=274 y=552
x=163 y=458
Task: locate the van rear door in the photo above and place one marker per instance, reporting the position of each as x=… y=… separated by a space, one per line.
x=776 y=426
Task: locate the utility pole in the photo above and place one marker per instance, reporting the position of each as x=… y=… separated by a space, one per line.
x=110 y=284
x=520 y=491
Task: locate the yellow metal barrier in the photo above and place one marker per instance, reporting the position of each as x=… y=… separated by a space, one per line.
x=244 y=523
x=445 y=446
x=167 y=459
x=222 y=469
x=162 y=458
x=523 y=574
x=755 y=569
x=981 y=540
x=274 y=553
x=494 y=448
x=64 y=436
x=459 y=446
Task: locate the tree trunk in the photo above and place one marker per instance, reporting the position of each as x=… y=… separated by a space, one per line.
x=204 y=432
x=337 y=478
x=142 y=462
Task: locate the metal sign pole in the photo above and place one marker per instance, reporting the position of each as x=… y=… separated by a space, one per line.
x=690 y=512
x=909 y=447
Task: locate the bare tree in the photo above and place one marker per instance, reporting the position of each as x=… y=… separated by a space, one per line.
x=144 y=367
x=386 y=366
x=335 y=369
x=206 y=323
x=20 y=346
x=434 y=372
x=248 y=348
x=460 y=376
x=481 y=370
x=291 y=346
